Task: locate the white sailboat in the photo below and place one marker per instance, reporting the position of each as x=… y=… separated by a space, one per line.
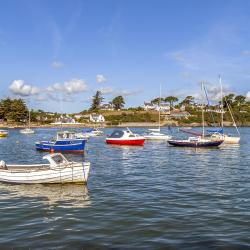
x=228 y=139
x=27 y=130
x=155 y=133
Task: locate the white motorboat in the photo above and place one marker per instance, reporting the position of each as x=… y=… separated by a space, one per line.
x=27 y=131
x=155 y=134
x=59 y=170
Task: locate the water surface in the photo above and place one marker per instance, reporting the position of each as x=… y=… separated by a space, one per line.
x=151 y=197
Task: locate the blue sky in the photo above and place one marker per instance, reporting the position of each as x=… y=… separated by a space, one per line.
x=56 y=54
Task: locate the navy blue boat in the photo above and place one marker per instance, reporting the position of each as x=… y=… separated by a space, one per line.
x=64 y=142
x=195 y=142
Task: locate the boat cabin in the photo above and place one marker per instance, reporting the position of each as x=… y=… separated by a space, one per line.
x=122 y=133
x=55 y=160
x=66 y=135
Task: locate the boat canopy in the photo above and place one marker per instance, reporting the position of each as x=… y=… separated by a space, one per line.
x=216 y=130
x=117 y=134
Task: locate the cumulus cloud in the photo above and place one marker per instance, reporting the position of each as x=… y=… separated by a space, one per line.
x=72 y=86
x=107 y=90
x=100 y=78
x=56 y=64
x=18 y=87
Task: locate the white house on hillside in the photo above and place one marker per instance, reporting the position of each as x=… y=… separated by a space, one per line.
x=148 y=106
x=98 y=118
x=164 y=107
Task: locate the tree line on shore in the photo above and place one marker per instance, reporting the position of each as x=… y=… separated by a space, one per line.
x=16 y=109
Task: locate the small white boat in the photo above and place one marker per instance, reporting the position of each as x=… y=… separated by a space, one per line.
x=228 y=139
x=27 y=131
x=59 y=170
x=3 y=133
x=156 y=134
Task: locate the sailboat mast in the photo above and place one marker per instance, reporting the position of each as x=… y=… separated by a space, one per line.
x=202 y=109
x=29 y=119
x=160 y=110
x=222 y=108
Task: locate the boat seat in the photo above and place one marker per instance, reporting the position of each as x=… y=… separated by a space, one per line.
x=3 y=165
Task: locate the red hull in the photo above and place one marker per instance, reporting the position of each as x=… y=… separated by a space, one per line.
x=139 y=142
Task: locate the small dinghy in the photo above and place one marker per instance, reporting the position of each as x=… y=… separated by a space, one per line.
x=59 y=170
x=125 y=137
x=3 y=133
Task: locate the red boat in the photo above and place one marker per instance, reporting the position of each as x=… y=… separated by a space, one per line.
x=125 y=137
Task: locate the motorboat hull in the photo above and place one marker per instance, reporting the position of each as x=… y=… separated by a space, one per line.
x=71 y=146
x=27 y=131
x=70 y=174
x=132 y=142
x=2 y=135
x=183 y=143
x=157 y=137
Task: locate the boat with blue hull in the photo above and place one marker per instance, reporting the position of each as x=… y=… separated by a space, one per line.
x=195 y=142
x=64 y=142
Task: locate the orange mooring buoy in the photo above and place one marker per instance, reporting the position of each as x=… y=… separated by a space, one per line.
x=52 y=151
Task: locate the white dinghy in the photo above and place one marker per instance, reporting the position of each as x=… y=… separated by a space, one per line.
x=59 y=170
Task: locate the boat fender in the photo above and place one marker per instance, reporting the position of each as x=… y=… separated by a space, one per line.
x=3 y=165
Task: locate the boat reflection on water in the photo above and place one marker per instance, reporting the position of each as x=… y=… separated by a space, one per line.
x=56 y=195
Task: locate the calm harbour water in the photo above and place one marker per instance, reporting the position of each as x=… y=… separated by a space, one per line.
x=151 y=197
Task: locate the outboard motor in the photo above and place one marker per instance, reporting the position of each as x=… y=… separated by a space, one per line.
x=3 y=165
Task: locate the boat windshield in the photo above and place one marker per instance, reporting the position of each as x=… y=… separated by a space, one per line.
x=58 y=159
x=117 y=134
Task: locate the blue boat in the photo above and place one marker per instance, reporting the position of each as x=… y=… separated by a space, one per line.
x=64 y=142
x=195 y=142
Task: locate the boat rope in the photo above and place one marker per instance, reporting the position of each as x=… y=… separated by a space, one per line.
x=231 y=113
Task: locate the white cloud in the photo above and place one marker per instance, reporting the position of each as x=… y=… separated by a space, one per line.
x=107 y=90
x=72 y=86
x=75 y=86
x=56 y=64
x=248 y=96
x=18 y=87
x=100 y=78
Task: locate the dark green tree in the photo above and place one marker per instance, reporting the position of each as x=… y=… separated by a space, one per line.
x=157 y=100
x=13 y=109
x=96 y=101
x=187 y=100
x=240 y=100
x=171 y=100
x=118 y=102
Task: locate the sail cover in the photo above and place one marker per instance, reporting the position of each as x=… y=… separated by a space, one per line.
x=191 y=132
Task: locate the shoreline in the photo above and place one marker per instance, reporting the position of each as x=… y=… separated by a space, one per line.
x=122 y=125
